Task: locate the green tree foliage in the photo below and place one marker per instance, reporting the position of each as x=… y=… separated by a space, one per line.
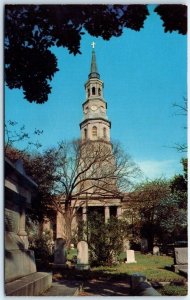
x=160 y=213
x=174 y=17
x=146 y=199
x=41 y=244
x=31 y=31
x=105 y=239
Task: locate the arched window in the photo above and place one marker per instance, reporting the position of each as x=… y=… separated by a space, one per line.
x=99 y=92
x=93 y=90
x=104 y=132
x=85 y=133
x=88 y=92
x=94 y=131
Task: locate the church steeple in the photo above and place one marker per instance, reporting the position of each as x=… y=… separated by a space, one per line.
x=93 y=69
x=95 y=124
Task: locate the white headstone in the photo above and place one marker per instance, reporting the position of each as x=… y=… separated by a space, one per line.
x=82 y=256
x=156 y=250
x=130 y=256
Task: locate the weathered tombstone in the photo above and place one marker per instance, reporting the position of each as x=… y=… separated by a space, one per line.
x=144 y=245
x=60 y=253
x=130 y=257
x=156 y=250
x=180 y=259
x=82 y=256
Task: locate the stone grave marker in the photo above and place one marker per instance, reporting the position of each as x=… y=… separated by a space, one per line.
x=130 y=257
x=60 y=253
x=181 y=259
x=82 y=256
x=156 y=250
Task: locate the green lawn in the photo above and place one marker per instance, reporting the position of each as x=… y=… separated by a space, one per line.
x=153 y=267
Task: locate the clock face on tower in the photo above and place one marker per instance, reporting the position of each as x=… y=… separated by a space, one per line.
x=93 y=107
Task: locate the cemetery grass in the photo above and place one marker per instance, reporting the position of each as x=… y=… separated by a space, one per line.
x=153 y=267
x=166 y=282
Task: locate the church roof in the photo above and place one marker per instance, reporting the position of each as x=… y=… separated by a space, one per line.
x=93 y=68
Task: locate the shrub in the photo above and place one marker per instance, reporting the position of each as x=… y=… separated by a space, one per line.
x=41 y=244
x=105 y=240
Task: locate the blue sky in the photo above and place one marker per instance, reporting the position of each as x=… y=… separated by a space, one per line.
x=144 y=74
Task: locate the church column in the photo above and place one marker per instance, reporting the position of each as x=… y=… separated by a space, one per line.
x=119 y=212
x=107 y=213
x=84 y=214
x=60 y=226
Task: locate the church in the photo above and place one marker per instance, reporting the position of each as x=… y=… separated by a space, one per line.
x=95 y=129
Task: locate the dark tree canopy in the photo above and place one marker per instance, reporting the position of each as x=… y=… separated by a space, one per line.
x=31 y=30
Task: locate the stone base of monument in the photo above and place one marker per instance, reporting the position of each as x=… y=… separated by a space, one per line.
x=18 y=264
x=178 y=268
x=181 y=260
x=31 y=285
x=82 y=267
x=21 y=277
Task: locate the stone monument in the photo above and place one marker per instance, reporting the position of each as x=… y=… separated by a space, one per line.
x=181 y=259
x=130 y=257
x=82 y=256
x=60 y=253
x=21 y=278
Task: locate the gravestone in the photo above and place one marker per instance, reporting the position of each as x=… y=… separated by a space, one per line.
x=60 y=253
x=156 y=250
x=130 y=257
x=144 y=245
x=180 y=259
x=82 y=256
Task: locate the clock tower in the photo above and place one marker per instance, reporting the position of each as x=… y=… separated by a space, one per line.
x=95 y=125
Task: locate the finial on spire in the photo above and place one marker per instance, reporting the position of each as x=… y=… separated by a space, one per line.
x=93 y=69
x=93 y=44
